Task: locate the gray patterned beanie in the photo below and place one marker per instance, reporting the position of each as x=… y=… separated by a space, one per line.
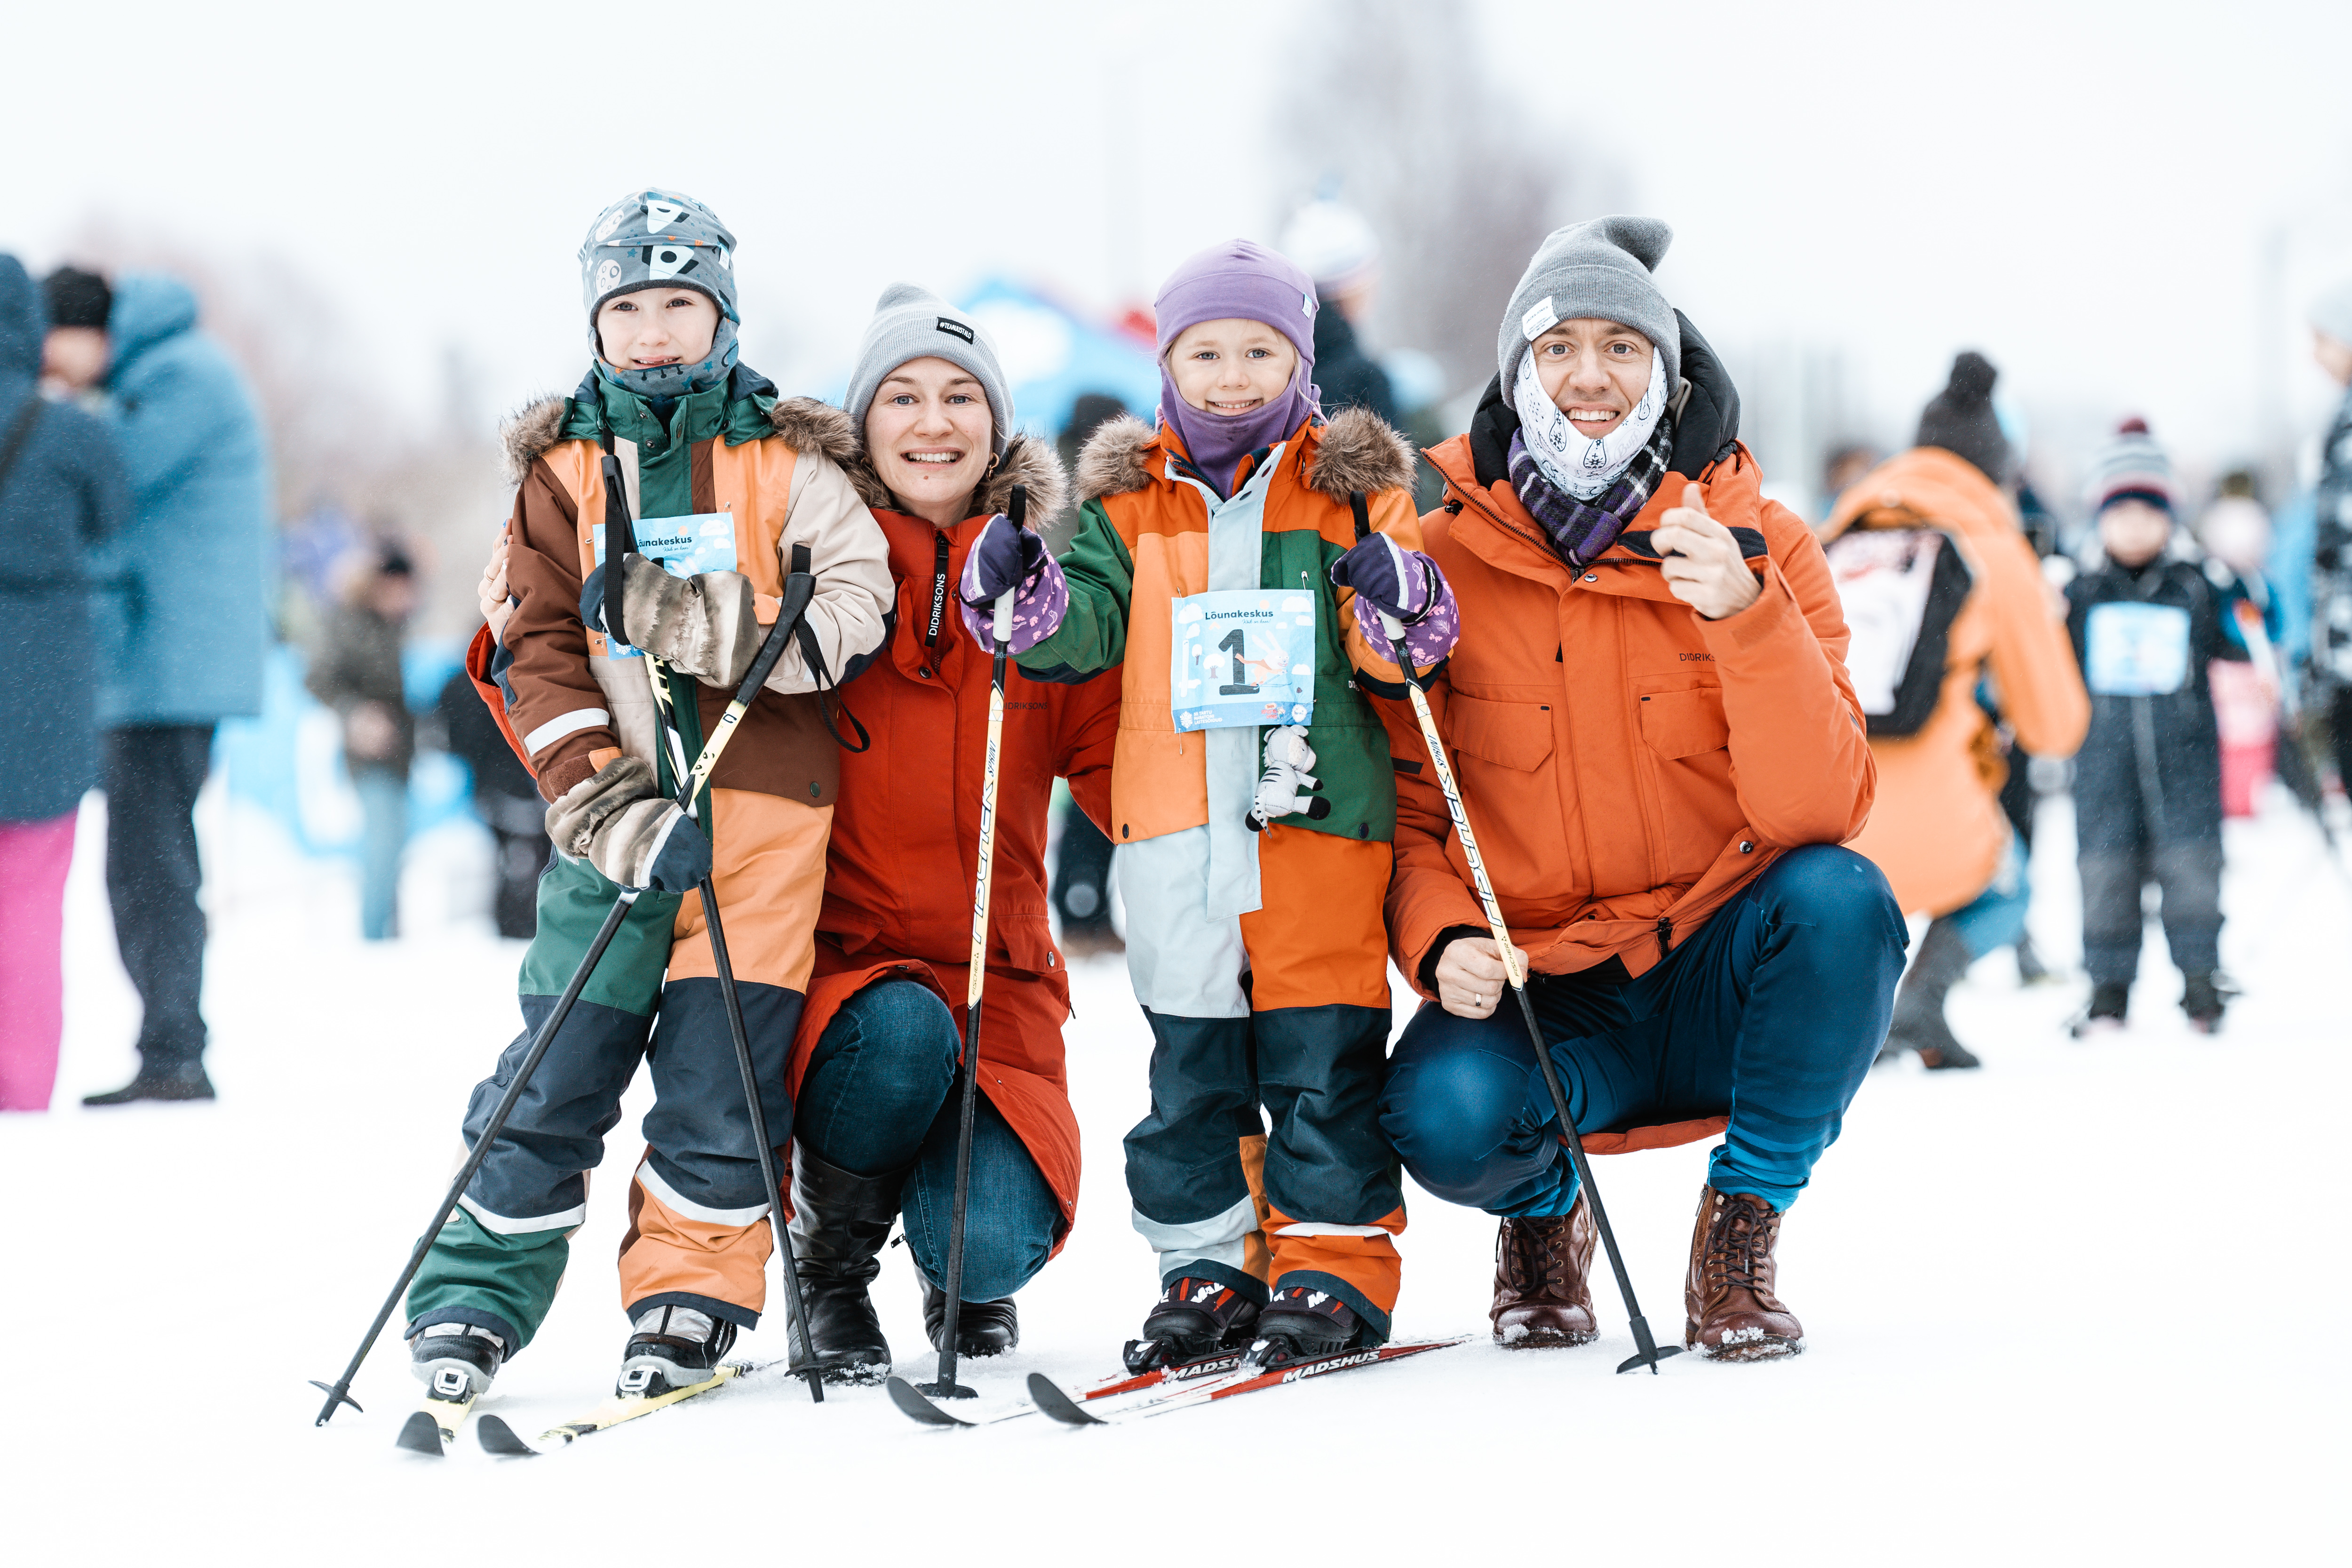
x=655 y=239
x=910 y=322
x=1602 y=268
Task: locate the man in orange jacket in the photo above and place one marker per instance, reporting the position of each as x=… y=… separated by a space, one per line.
x=1661 y=755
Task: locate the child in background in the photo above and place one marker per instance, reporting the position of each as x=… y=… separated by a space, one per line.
x=2148 y=781
x=1255 y=933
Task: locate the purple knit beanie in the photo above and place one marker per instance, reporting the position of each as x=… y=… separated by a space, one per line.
x=1237 y=279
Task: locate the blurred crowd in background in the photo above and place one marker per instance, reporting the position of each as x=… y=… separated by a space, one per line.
x=228 y=562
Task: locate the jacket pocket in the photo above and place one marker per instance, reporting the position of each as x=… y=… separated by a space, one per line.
x=1685 y=723
x=1027 y=940
x=1516 y=735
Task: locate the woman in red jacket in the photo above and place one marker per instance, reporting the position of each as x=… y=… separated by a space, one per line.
x=929 y=440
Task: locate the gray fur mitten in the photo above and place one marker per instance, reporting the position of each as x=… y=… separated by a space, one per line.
x=704 y=626
x=620 y=823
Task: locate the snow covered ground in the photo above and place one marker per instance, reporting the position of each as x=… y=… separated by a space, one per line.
x=2057 y=1310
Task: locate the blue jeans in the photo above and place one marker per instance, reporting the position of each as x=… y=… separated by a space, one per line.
x=1772 y=1011
x=1996 y=917
x=881 y=1094
x=384 y=831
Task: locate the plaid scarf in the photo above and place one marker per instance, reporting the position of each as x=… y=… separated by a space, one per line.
x=1580 y=530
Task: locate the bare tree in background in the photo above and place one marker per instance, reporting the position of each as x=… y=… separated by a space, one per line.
x=334 y=440
x=1456 y=178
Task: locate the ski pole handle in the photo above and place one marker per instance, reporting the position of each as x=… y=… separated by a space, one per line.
x=1000 y=629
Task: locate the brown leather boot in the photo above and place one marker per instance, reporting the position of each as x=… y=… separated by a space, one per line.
x=1728 y=1299
x=1540 y=1296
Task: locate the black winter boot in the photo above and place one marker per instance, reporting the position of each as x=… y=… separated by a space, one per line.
x=1194 y=1318
x=983 y=1328
x=2204 y=997
x=840 y=1220
x=158 y=1080
x=1919 y=1024
x=2110 y=1001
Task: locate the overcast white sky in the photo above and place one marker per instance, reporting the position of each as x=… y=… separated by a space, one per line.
x=2082 y=190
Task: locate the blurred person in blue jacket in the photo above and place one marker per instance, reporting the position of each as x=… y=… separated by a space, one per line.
x=184 y=625
x=62 y=496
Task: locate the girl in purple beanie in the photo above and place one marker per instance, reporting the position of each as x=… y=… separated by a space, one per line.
x=1253 y=800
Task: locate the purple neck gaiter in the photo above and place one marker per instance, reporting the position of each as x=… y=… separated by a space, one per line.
x=1237 y=279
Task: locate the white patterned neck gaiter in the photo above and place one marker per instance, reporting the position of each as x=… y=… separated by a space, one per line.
x=1571 y=460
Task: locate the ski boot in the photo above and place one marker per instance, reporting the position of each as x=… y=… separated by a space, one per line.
x=1299 y=1322
x=2204 y=997
x=673 y=1348
x=983 y=1328
x=2110 y=1000
x=455 y=1361
x=1194 y=1318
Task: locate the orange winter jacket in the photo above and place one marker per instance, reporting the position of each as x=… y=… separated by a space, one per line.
x=1937 y=830
x=1627 y=765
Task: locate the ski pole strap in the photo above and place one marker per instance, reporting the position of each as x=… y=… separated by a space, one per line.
x=620 y=540
x=1363 y=515
x=800 y=587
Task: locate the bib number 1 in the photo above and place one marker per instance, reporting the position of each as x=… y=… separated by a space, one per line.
x=1242 y=656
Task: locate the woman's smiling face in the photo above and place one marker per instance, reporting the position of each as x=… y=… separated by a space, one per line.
x=928 y=435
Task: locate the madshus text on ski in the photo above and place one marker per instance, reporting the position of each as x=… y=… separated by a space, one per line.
x=1579 y=750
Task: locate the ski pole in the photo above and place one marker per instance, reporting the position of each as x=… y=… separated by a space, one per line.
x=341 y=1392
x=1001 y=631
x=795 y=602
x=1647 y=1351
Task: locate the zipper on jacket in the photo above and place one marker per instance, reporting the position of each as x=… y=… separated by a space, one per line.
x=1665 y=937
x=938 y=595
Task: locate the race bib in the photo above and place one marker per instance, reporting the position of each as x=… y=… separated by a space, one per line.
x=2135 y=650
x=1882 y=576
x=686 y=546
x=1242 y=656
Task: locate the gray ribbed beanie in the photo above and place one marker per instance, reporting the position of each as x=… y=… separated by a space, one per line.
x=912 y=322
x=1601 y=267
x=2332 y=312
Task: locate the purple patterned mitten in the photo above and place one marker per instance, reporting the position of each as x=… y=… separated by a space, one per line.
x=1405 y=583
x=1006 y=557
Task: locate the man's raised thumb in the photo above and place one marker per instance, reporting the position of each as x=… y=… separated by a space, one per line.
x=1694 y=498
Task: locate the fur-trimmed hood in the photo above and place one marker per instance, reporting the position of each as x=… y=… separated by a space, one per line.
x=1026 y=461
x=805 y=423
x=1355 y=452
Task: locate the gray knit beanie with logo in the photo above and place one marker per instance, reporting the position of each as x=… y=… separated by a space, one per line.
x=910 y=322
x=1601 y=267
